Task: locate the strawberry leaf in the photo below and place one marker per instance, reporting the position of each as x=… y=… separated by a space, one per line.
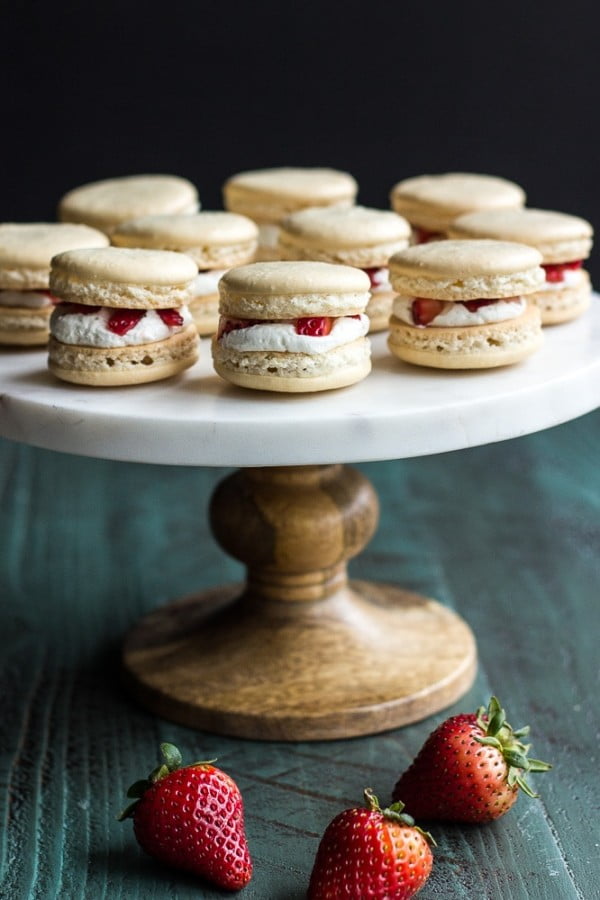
x=138 y=788
x=171 y=756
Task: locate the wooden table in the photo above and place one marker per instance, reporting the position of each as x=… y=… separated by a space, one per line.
x=505 y=534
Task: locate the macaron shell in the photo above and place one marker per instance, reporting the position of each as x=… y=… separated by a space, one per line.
x=27 y=248
x=267 y=195
x=470 y=347
x=379 y=310
x=24 y=327
x=467 y=270
x=342 y=230
x=104 y=204
x=564 y=305
x=115 y=366
x=205 y=313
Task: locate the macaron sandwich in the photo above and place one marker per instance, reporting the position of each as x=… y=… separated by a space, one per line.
x=25 y=253
x=105 y=204
x=122 y=317
x=355 y=236
x=268 y=195
x=293 y=326
x=462 y=304
x=564 y=241
x=432 y=202
x=216 y=241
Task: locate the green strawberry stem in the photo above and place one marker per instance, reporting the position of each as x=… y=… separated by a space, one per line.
x=394 y=812
x=498 y=733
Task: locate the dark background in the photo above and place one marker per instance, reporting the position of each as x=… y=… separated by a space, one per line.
x=382 y=90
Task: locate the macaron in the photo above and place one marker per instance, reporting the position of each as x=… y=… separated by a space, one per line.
x=122 y=317
x=25 y=253
x=105 y=204
x=564 y=241
x=353 y=236
x=293 y=326
x=216 y=241
x=462 y=304
x=432 y=202
x=268 y=195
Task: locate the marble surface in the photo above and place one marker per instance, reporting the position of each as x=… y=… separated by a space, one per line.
x=399 y=411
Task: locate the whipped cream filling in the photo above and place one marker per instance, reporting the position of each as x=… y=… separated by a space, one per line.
x=455 y=314
x=571 y=278
x=281 y=336
x=91 y=329
x=206 y=283
x=380 y=281
x=25 y=299
x=268 y=236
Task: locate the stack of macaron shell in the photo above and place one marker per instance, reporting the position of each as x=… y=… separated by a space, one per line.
x=122 y=317
x=354 y=236
x=462 y=304
x=106 y=204
x=564 y=241
x=268 y=195
x=293 y=326
x=432 y=202
x=25 y=253
x=216 y=241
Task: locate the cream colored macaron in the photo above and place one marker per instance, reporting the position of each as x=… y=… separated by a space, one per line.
x=353 y=236
x=293 y=326
x=432 y=202
x=216 y=241
x=564 y=242
x=122 y=317
x=106 y=204
x=25 y=253
x=462 y=304
x=268 y=195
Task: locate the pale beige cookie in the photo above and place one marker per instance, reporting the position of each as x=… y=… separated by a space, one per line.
x=294 y=372
x=27 y=248
x=205 y=312
x=120 y=277
x=214 y=240
x=466 y=270
x=379 y=309
x=470 y=347
x=432 y=202
x=557 y=306
x=24 y=327
x=105 y=204
x=278 y=290
x=115 y=366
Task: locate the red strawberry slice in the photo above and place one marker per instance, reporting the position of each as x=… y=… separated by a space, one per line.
x=315 y=326
x=423 y=235
x=424 y=310
x=374 y=276
x=555 y=272
x=123 y=320
x=227 y=324
x=474 y=305
x=171 y=317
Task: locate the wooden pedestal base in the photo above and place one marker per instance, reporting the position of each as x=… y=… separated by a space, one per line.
x=299 y=654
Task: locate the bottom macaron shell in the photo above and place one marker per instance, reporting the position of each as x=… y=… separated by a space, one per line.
x=564 y=305
x=470 y=347
x=24 y=327
x=379 y=310
x=205 y=313
x=294 y=372
x=115 y=366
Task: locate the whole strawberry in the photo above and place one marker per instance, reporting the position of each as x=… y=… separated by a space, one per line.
x=371 y=852
x=192 y=817
x=470 y=769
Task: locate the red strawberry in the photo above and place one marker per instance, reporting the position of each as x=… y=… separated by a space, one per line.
x=315 y=326
x=470 y=769
x=375 y=853
x=171 y=317
x=192 y=817
x=123 y=320
x=227 y=324
x=555 y=272
x=424 y=310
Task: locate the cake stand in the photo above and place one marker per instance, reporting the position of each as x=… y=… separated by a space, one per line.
x=299 y=652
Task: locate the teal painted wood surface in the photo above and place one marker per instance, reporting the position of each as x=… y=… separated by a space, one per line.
x=507 y=534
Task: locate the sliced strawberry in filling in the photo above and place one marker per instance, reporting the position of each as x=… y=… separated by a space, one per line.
x=376 y=276
x=423 y=235
x=123 y=320
x=171 y=317
x=474 y=305
x=227 y=324
x=555 y=272
x=424 y=310
x=315 y=326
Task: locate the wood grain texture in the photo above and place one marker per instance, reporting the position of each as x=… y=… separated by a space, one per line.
x=507 y=535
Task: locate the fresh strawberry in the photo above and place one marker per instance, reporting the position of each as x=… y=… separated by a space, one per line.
x=555 y=272
x=315 y=326
x=470 y=769
x=171 y=317
x=424 y=310
x=192 y=817
x=227 y=324
x=371 y=852
x=123 y=320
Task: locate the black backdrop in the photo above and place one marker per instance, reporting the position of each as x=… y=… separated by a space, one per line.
x=381 y=89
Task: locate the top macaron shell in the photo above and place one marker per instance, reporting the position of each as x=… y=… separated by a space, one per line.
x=105 y=204
x=559 y=237
x=27 y=248
x=434 y=201
x=267 y=195
x=274 y=290
x=467 y=270
x=355 y=235
x=214 y=240
x=120 y=277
